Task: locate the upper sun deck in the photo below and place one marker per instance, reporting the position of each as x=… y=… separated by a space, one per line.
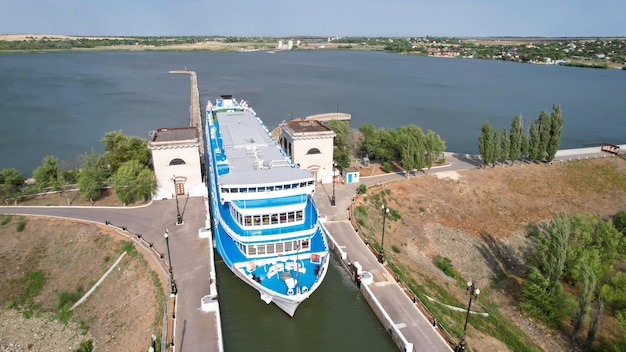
x=248 y=155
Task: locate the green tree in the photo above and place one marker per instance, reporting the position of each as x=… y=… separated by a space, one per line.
x=515 y=139
x=524 y=148
x=11 y=183
x=92 y=176
x=556 y=127
x=435 y=146
x=497 y=152
x=485 y=143
x=587 y=282
x=49 y=174
x=342 y=151
x=412 y=146
x=534 y=150
x=120 y=148
x=505 y=146
x=545 y=127
x=133 y=181
x=542 y=293
x=619 y=221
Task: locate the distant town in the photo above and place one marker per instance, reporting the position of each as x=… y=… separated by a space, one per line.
x=582 y=52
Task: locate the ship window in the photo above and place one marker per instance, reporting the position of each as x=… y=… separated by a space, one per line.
x=288 y=246
x=270 y=248
x=261 y=189
x=280 y=247
x=260 y=249
x=243 y=190
x=279 y=188
x=234 y=190
x=257 y=220
x=291 y=217
x=299 y=215
x=266 y=219
x=252 y=250
x=270 y=188
x=225 y=190
x=248 y=220
x=274 y=218
x=305 y=244
x=287 y=186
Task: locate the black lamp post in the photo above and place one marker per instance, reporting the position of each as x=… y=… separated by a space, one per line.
x=179 y=217
x=332 y=200
x=381 y=255
x=173 y=286
x=473 y=293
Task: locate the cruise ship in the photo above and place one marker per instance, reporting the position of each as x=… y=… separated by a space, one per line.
x=266 y=224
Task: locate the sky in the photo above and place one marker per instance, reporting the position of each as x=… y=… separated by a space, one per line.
x=327 y=18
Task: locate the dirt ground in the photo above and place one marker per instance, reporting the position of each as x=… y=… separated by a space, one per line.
x=121 y=315
x=477 y=218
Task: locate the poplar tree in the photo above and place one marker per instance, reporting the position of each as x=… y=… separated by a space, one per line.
x=545 y=128
x=505 y=146
x=524 y=148
x=534 y=147
x=556 y=127
x=496 y=146
x=515 y=138
x=485 y=143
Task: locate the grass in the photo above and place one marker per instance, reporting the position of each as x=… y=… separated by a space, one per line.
x=445 y=265
x=32 y=284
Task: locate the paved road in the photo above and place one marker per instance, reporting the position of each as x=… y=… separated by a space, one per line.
x=191 y=257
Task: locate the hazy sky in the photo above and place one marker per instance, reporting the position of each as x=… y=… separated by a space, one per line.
x=458 y=18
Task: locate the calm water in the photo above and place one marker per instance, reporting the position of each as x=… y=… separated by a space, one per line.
x=335 y=318
x=63 y=103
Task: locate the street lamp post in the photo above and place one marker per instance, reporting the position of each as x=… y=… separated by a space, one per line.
x=381 y=254
x=473 y=294
x=179 y=217
x=332 y=200
x=173 y=286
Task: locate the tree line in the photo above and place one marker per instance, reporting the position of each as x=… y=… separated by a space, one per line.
x=125 y=165
x=416 y=150
x=579 y=252
x=540 y=143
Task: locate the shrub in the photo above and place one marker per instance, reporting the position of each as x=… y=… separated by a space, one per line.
x=395 y=248
x=5 y=219
x=20 y=226
x=444 y=264
x=362 y=189
x=386 y=167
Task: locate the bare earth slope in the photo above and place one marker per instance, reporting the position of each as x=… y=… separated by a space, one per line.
x=477 y=218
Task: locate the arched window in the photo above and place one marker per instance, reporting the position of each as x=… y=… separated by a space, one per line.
x=177 y=161
x=314 y=151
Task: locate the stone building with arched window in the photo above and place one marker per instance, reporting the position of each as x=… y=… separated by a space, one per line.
x=309 y=143
x=177 y=163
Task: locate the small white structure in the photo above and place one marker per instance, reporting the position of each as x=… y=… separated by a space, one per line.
x=351 y=175
x=176 y=160
x=310 y=145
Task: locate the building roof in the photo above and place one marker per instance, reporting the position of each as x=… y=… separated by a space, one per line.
x=306 y=126
x=175 y=134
